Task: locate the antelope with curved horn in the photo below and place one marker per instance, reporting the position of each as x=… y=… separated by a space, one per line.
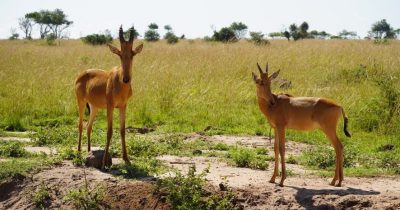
x=299 y=113
x=107 y=90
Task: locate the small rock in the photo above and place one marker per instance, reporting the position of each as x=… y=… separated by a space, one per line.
x=95 y=159
x=222 y=187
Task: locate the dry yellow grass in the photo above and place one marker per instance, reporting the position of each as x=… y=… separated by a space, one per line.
x=190 y=85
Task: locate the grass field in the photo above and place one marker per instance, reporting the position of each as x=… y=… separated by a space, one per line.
x=195 y=84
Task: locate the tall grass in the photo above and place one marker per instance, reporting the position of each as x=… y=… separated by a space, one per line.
x=191 y=85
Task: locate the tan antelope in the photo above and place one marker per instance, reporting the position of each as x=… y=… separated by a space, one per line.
x=107 y=90
x=299 y=113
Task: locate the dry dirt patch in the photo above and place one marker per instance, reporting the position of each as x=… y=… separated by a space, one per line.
x=301 y=191
x=59 y=180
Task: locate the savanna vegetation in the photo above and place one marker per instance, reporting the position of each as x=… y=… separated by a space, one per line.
x=204 y=87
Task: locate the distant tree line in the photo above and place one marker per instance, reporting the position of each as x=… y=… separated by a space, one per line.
x=51 y=24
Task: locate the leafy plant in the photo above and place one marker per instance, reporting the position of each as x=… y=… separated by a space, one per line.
x=248 y=158
x=97 y=39
x=187 y=192
x=12 y=149
x=41 y=197
x=86 y=197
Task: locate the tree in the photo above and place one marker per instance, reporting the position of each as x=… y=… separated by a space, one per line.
x=276 y=34
x=225 y=34
x=286 y=34
x=50 y=21
x=294 y=32
x=303 y=30
x=170 y=36
x=239 y=28
x=152 y=35
x=42 y=19
x=382 y=29
x=26 y=24
x=347 y=34
x=58 y=22
x=14 y=34
x=168 y=28
x=258 y=38
x=153 y=26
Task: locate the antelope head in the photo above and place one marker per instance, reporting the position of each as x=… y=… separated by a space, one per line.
x=264 y=84
x=126 y=53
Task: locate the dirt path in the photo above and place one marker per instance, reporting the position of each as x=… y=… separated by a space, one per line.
x=59 y=180
x=301 y=190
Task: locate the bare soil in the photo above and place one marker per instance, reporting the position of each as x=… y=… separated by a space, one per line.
x=302 y=190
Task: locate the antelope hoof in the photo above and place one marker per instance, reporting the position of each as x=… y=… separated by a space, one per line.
x=332 y=183
x=338 y=184
x=281 y=184
x=272 y=181
x=127 y=162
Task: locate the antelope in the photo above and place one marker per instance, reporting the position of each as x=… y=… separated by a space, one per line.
x=100 y=89
x=284 y=111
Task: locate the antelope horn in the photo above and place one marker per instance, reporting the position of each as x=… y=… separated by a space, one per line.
x=131 y=34
x=259 y=68
x=121 y=35
x=266 y=69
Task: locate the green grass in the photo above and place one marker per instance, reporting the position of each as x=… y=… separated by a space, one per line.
x=206 y=87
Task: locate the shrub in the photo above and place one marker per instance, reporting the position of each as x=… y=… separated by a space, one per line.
x=53 y=136
x=221 y=146
x=97 y=39
x=85 y=197
x=186 y=192
x=12 y=149
x=258 y=38
x=171 y=38
x=248 y=158
x=224 y=35
x=51 y=39
x=151 y=35
x=324 y=157
x=140 y=147
x=41 y=197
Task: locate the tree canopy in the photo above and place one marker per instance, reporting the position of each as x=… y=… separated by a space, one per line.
x=382 y=29
x=50 y=21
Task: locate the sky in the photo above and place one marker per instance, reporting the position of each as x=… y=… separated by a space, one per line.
x=198 y=18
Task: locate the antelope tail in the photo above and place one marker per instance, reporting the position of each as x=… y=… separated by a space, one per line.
x=346 y=121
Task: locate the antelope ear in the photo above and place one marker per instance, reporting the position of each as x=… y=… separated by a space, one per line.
x=114 y=49
x=254 y=77
x=138 y=49
x=274 y=75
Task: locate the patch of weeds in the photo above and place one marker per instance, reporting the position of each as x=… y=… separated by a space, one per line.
x=187 y=192
x=78 y=159
x=41 y=197
x=324 y=157
x=291 y=160
x=16 y=166
x=143 y=147
x=261 y=151
x=54 y=136
x=248 y=158
x=14 y=124
x=386 y=147
x=389 y=160
x=221 y=146
x=141 y=167
x=12 y=149
x=85 y=197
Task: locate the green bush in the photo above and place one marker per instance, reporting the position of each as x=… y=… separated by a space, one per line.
x=248 y=158
x=86 y=198
x=51 y=39
x=187 y=192
x=12 y=149
x=324 y=157
x=258 y=38
x=41 y=197
x=54 y=136
x=97 y=39
x=171 y=38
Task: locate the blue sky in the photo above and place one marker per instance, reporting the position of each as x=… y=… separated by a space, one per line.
x=197 y=18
